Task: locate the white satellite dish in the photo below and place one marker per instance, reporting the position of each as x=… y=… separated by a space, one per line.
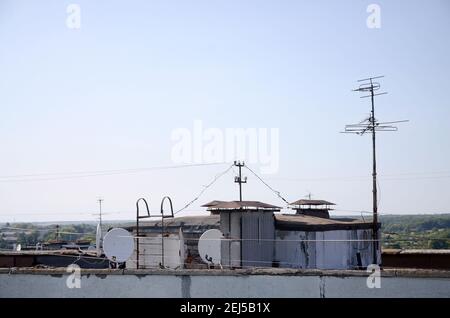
x=209 y=246
x=118 y=245
x=98 y=240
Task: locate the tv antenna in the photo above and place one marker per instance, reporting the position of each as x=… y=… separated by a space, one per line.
x=371 y=125
x=100 y=211
x=98 y=240
x=100 y=214
x=309 y=195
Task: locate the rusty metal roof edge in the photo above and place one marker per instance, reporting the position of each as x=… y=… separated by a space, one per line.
x=243 y=209
x=311 y=202
x=392 y=272
x=291 y=226
x=240 y=205
x=392 y=251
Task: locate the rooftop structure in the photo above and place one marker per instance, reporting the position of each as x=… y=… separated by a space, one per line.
x=318 y=208
x=215 y=206
x=248 y=227
x=312 y=202
x=255 y=235
x=310 y=223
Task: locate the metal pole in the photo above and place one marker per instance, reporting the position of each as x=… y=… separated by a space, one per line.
x=240 y=183
x=137 y=226
x=100 y=216
x=162 y=224
x=364 y=127
x=100 y=203
x=374 y=182
x=137 y=238
x=162 y=240
x=239 y=178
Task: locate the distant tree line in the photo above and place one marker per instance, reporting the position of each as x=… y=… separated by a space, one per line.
x=416 y=231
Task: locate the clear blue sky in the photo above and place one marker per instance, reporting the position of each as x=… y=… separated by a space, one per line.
x=108 y=95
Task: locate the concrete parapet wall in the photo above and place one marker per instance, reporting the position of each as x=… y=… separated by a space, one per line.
x=23 y=282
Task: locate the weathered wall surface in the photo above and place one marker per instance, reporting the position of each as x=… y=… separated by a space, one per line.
x=323 y=250
x=239 y=283
x=150 y=252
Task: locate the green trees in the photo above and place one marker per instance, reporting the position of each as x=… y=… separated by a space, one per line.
x=416 y=231
x=27 y=239
x=439 y=244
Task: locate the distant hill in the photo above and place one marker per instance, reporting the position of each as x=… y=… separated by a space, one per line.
x=415 y=223
x=416 y=231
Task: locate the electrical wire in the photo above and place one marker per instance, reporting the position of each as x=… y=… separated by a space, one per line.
x=41 y=230
x=417 y=238
x=268 y=186
x=217 y=177
x=84 y=174
x=385 y=177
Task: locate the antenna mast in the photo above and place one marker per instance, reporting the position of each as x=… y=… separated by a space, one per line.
x=100 y=200
x=368 y=85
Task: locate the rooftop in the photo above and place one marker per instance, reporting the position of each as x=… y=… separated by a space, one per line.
x=311 y=202
x=240 y=205
x=300 y=222
x=234 y=272
x=189 y=223
x=296 y=222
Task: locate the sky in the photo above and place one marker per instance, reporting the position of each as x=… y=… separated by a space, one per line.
x=110 y=94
